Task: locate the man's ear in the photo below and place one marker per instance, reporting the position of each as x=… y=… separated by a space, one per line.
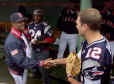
x=86 y=26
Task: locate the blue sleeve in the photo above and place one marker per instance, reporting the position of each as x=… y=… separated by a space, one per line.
x=108 y=58
x=18 y=55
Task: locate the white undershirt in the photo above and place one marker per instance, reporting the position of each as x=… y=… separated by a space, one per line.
x=28 y=46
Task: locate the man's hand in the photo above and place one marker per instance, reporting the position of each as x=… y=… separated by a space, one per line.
x=53 y=62
x=47 y=63
x=34 y=41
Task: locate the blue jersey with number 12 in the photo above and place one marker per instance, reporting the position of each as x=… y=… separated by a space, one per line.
x=99 y=53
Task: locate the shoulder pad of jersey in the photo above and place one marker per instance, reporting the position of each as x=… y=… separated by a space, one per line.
x=45 y=23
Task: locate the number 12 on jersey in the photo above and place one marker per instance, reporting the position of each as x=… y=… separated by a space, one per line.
x=94 y=53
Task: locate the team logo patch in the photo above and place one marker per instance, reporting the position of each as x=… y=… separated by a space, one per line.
x=14 y=52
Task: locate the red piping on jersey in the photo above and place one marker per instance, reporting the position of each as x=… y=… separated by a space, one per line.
x=13 y=71
x=26 y=33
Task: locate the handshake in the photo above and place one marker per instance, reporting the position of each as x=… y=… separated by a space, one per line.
x=72 y=64
x=50 y=62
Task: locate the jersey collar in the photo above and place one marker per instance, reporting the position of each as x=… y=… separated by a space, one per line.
x=98 y=41
x=16 y=32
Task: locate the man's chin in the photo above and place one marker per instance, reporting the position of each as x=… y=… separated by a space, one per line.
x=22 y=29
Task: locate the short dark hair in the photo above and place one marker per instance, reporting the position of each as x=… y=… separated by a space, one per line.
x=91 y=17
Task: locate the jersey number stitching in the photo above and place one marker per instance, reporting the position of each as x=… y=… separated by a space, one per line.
x=94 y=53
x=35 y=35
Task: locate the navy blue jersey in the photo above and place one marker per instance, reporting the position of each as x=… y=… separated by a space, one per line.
x=40 y=30
x=96 y=60
x=66 y=21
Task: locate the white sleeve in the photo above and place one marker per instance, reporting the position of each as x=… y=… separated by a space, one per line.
x=88 y=81
x=47 y=27
x=79 y=54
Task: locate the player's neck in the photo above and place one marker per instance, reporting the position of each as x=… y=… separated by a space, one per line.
x=93 y=36
x=36 y=22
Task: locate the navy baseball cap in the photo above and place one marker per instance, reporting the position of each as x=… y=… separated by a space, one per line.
x=16 y=17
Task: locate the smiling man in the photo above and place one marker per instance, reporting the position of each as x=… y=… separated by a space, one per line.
x=18 y=52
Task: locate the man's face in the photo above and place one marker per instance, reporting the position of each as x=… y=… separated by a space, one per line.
x=37 y=18
x=80 y=27
x=20 y=25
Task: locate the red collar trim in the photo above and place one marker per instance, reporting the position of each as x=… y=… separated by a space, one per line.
x=16 y=32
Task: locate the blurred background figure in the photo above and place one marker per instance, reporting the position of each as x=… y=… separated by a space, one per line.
x=42 y=33
x=108 y=23
x=66 y=25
